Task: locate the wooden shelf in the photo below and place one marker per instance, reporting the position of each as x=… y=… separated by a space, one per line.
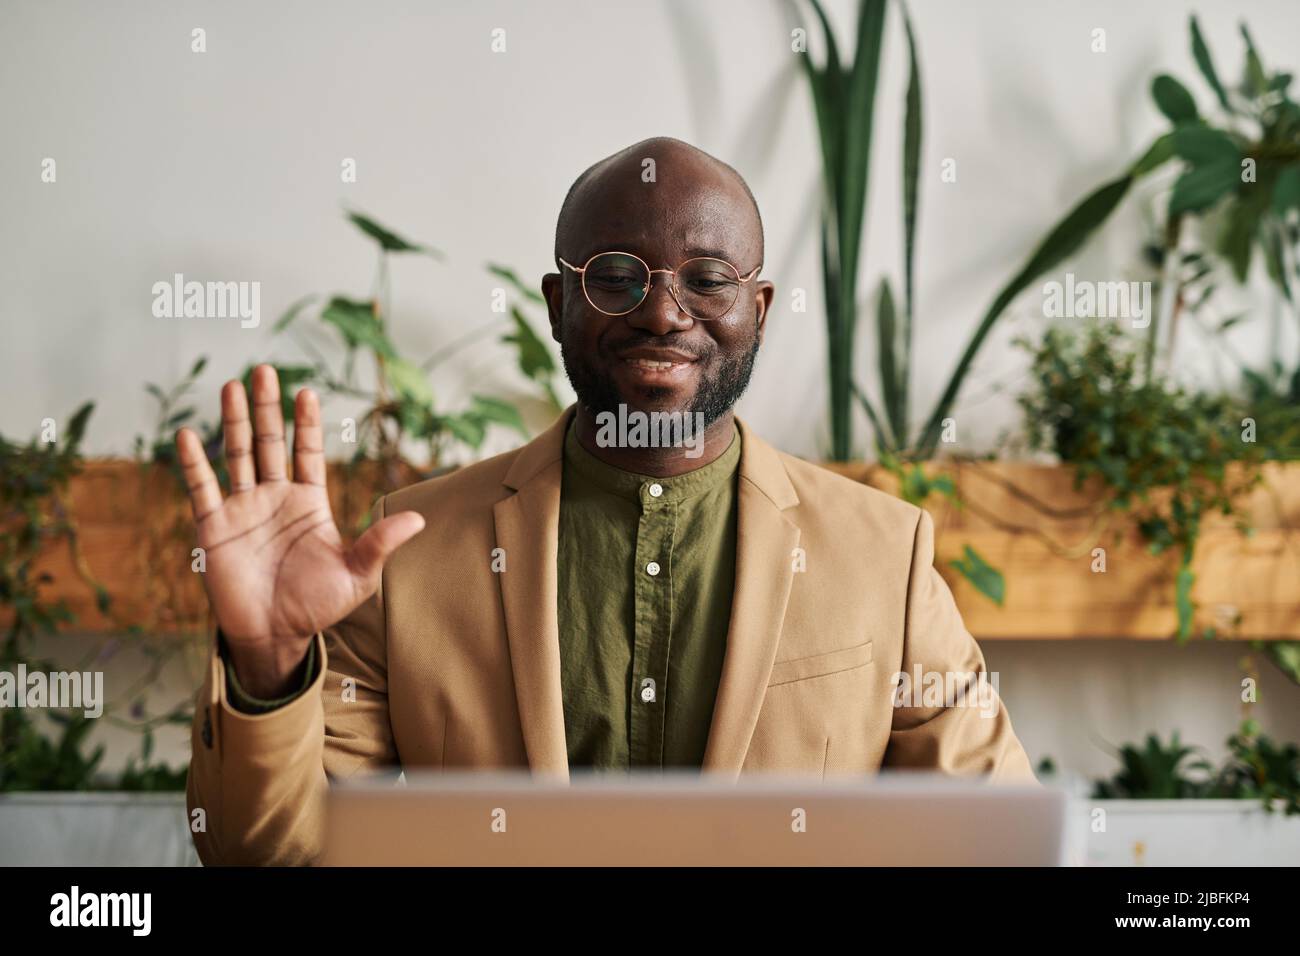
x=1246 y=587
x=135 y=537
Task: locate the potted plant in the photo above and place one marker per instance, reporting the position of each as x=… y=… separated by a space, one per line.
x=1169 y=805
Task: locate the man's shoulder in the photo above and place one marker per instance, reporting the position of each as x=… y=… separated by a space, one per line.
x=464 y=489
x=828 y=496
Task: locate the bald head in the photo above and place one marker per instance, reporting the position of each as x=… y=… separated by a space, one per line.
x=682 y=179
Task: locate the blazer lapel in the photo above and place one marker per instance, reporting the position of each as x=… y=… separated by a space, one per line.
x=765 y=542
x=527 y=527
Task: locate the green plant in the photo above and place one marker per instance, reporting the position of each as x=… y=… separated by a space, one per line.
x=1156 y=771
x=844 y=98
x=35 y=521
x=401 y=405
x=1235 y=196
x=535 y=359
x=1256 y=768
x=1163 y=453
x=844 y=101
x=1259 y=769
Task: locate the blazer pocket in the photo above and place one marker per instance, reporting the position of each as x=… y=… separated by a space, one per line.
x=820 y=665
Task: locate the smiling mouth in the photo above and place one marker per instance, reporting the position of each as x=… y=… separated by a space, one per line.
x=652 y=365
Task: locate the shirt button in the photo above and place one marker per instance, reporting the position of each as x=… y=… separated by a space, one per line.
x=656 y=490
x=652 y=568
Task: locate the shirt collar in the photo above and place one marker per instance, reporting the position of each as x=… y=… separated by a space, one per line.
x=635 y=487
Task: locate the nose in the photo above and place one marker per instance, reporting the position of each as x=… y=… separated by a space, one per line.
x=659 y=314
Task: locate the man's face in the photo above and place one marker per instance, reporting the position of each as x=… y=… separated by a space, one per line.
x=694 y=209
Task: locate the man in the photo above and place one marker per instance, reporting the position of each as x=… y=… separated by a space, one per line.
x=596 y=598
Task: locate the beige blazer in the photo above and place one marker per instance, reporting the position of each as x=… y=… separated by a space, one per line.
x=453 y=665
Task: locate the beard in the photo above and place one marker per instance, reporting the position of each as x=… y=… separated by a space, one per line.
x=716 y=395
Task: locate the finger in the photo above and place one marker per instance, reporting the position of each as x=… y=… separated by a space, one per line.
x=366 y=558
x=205 y=494
x=308 y=440
x=238 y=432
x=268 y=424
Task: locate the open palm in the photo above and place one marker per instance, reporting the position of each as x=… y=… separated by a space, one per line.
x=277 y=570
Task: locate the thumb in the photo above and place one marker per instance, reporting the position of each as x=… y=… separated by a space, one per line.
x=366 y=558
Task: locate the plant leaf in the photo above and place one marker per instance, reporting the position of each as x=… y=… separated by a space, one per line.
x=887 y=346
x=535 y=360
x=1202 y=186
x=356 y=321
x=1202 y=145
x=1068 y=235
x=499 y=411
x=516 y=283
x=987 y=579
x=912 y=129
x=1173 y=100
x=1255 y=81
x=1160 y=152
x=389 y=241
x=1286 y=191
x=1201 y=53
x=293 y=312
x=408 y=380
x=1183 y=600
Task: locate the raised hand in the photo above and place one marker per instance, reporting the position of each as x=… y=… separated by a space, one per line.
x=277 y=570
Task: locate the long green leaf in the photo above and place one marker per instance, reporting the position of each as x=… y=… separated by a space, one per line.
x=389 y=241
x=859 y=110
x=1201 y=53
x=912 y=128
x=1256 y=79
x=516 y=283
x=1061 y=242
x=888 y=357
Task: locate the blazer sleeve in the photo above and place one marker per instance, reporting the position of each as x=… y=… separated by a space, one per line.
x=964 y=731
x=261 y=780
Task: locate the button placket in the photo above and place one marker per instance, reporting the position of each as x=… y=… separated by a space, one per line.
x=653 y=623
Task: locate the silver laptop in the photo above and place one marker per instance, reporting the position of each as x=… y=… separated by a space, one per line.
x=673 y=819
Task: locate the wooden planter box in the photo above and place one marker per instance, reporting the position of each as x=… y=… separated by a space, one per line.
x=135 y=533
x=1031 y=523
x=135 y=536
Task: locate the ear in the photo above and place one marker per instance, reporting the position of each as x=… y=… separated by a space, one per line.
x=553 y=292
x=762 y=302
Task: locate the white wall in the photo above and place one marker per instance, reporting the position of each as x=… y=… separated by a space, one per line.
x=225 y=165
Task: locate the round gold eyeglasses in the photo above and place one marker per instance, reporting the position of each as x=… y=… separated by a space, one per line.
x=615 y=283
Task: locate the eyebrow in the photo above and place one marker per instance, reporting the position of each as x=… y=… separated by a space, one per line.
x=697 y=252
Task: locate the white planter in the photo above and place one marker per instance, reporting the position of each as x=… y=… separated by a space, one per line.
x=1188 y=833
x=94 y=829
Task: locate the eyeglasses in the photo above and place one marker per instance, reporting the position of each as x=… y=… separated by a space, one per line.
x=615 y=283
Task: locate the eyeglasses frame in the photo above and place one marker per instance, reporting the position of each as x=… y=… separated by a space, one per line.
x=672 y=282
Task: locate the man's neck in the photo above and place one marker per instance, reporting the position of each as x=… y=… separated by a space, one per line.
x=658 y=462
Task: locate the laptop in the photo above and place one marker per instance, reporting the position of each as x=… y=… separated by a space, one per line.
x=689 y=819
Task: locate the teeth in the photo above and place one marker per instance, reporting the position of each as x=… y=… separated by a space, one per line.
x=647 y=363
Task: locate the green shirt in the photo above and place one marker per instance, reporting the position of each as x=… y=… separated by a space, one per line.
x=646 y=574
